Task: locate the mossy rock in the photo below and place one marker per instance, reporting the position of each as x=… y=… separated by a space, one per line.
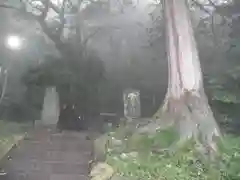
x=147 y=142
x=101 y=171
x=100 y=147
x=123 y=132
x=116 y=145
x=138 y=142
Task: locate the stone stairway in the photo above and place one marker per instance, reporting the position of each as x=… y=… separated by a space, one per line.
x=47 y=155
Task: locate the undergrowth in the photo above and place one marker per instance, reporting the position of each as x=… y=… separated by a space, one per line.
x=9 y=134
x=143 y=157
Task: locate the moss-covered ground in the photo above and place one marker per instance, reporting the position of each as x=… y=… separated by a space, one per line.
x=157 y=157
x=10 y=133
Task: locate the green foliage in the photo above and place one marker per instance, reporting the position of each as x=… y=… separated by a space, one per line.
x=225 y=88
x=229 y=157
x=9 y=133
x=153 y=158
x=77 y=81
x=162 y=139
x=224 y=98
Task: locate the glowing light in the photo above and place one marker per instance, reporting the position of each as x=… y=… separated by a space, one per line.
x=14 y=42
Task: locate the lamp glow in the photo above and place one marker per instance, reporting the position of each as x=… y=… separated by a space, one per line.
x=14 y=42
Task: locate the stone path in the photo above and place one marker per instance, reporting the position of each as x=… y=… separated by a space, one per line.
x=47 y=155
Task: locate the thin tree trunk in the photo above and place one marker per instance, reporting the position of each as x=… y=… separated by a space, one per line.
x=185 y=104
x=4 y=87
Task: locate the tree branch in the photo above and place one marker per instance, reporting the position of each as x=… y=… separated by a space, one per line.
x=45 y=10
x=218 y=9
x=7 y=6
x=62 y=18
x=212 y=4
x=90 y=36
x=201 y=6
x=54 y=36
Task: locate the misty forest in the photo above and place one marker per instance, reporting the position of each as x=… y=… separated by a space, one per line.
x=157 y=80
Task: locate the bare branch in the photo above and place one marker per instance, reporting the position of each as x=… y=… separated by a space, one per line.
x=8 y=6
x=62 y=18
x=53 y=34
x=201 y=6
x=90 y=36
x=212 y=4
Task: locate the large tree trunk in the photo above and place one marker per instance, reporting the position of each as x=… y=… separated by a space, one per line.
x=186 y=104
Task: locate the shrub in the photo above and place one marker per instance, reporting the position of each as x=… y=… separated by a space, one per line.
x=155 y=158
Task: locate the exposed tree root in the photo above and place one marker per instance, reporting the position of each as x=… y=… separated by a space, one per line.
x=192 y=117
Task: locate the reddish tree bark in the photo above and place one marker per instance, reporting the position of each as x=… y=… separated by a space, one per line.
x=186 y=104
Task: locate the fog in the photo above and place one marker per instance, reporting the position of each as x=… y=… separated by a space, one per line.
x=124 y=34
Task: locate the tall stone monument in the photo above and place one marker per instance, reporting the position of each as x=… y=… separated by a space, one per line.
x=50 y=111
x=132 y=105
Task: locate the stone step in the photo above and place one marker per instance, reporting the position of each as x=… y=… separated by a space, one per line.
x=48 y=156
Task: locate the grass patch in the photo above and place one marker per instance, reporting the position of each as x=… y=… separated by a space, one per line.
x=10 y=133
x=150 y=157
